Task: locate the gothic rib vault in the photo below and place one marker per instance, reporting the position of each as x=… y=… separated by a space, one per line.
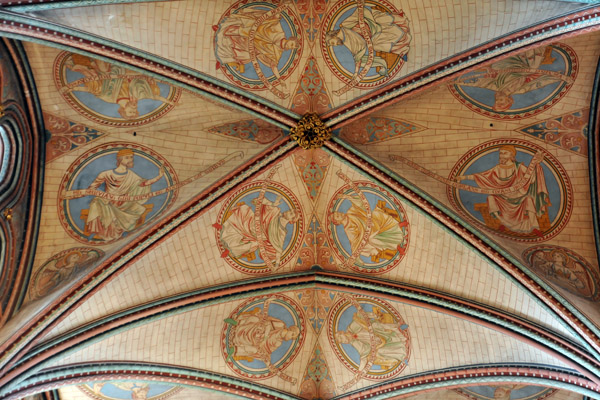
x=163 y=236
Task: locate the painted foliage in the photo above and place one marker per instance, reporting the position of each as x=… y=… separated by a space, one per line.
x=369 y=337
x=113 y=189
x=250 y=130
x=367 y=227
x=126 y=390
x=110 y=94
x=61 y=268
x=506 y=392
x=260 y=227
x=365 y=44
x=377 y=129
x=258 y=44
x=63 y=136
x=519 y=86
x=317 y=382
x=263 y=336
x=514 y=188
x=566 y=269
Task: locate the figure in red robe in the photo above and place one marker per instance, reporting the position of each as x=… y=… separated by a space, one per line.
x=518 y=211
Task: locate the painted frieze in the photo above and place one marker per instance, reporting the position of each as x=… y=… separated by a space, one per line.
x=521 y=85
x=568 y=131
x=61 y=268
x=365 y=43
x=369 y=337
x=63 y=136
x=513 y=188
x=258 y=45
x=126 y=390
x=262 y=337
x=566 y=269
x=110 y=94
x=367 y=227
x=506 y=392
x=113 y=189
x=260 y=227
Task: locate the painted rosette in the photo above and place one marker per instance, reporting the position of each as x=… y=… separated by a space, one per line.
x=236 y=228
x=126 y=390
x=340 y=59
x=75 y=213
x=547 y=193
x=565 y=269
x=254 y=341
x=387 y=229
x=110 y=94
x=528 y=88
x=243 y=74
x=357 y=325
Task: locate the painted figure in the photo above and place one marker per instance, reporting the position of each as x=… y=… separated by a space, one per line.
x=241 y=239
x=62 y=270
x=114 y=84
x=564 y=271
x=270 y=41
x=391 y=343
x=257 y=335
x=108 y=219
x=386 y=233
x=516 y=75
x=389 y=34
x=517 y=211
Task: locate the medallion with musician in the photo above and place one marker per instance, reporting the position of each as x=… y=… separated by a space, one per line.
x=262 y=337
x=365 y=42
x=369 y=337
x=258 y=45
x=513 y=188
x=367 y=227
x=260 y=227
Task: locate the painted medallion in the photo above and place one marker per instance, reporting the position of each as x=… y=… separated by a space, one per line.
x=513 y=188
x=258 y=45
x=260 y=227
x=368 y=228
x=365 y=45
x=127 y=390
x=506 y=392
x=566 y=269
x=110 y=94
x=521 y=85
x=114 y=189
x=263 y=336
x=369 y=337
x=62 y=267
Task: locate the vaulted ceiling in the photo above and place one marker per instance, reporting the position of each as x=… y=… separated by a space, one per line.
x=163 y=234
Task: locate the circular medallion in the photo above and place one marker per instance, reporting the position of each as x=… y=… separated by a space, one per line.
x=110 y=94
x=369 y=337
x=345 y=48
x=519 y=86
x=263 y=336
x=372 y=240
x=126 y=390
x=275 y=50
x=565 y=269
x=62 y=267
x=260 y=239
x=113 y=190
x=513 y=188
x=508 y=392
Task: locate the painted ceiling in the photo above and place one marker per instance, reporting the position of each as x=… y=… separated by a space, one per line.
x=163 y=236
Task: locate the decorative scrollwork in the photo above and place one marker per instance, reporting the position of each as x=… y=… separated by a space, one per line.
x=311 y=132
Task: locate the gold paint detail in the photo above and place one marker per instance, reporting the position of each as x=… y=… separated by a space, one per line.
x=8 y=214
x=1 y=110
x=310 y=132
